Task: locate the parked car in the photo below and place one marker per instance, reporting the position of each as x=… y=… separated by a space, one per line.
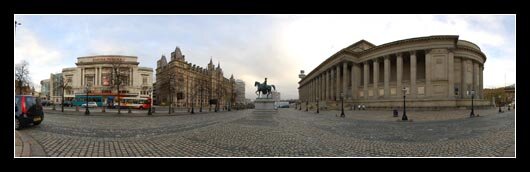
x=90 y=104
x=27 y=111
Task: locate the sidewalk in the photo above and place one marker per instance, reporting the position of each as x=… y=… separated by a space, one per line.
x=26 y=146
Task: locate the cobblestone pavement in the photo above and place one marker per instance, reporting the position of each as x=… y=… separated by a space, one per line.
x=290 y=133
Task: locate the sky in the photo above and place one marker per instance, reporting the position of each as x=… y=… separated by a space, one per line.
x=251 y=47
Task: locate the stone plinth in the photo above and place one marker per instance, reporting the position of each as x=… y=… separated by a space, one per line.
x=264 y=106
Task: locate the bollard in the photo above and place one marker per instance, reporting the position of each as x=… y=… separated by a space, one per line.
x=103 y=109
x=395 y=113
x=153 y=109
x=129 y=110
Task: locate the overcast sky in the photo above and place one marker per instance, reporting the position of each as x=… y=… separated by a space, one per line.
x=251 y=47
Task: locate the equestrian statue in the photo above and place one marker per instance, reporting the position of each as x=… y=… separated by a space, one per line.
x=264 y=89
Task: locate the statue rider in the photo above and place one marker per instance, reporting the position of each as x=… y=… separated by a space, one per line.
x=265 y=82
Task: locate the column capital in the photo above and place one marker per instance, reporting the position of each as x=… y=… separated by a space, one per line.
x=414 y=52
x=399 y=54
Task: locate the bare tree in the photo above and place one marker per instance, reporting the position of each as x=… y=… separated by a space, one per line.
x=22 y=75
x=63 y=85
x=117 y=79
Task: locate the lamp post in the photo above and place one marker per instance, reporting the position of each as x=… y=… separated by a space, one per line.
x=404 y=118
x=87 y=112
x=306 y=105
x=150 y=101
x=500 y=104
x=17 y=24
x=472 y=114
x=318 y=107
x=342 y=104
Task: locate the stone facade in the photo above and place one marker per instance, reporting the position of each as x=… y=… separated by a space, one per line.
x=185 y=84
x=436 y=71
x=96 y=71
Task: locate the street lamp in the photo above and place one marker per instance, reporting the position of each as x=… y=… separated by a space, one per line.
x=150 y=100
x=472 y=93
x=306 y=105
x=342 y=104
x=87 y=112
x=404 y=118
x=17 y=23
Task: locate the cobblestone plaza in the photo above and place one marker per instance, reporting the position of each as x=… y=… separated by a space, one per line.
x=290 y=133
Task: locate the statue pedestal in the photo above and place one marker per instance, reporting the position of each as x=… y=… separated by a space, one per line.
x=264 y=106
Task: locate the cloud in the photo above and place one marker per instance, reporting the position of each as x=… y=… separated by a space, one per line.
x=42 y=58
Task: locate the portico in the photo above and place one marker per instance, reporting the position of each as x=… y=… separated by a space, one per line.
x=436 y=70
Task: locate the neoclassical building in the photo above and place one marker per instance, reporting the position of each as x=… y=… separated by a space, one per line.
x=97 y=72
x=186 y=84
x=435 y=71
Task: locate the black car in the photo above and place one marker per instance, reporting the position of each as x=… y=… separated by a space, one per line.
x=27 y=111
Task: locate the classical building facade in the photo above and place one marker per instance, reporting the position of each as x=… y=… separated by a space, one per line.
x=98 y=72
x=435 y=71
x=185 y=85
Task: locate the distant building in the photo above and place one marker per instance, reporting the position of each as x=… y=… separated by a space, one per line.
x=155 y=93
x=45 y=89
x=240 y=91
x=185 y=84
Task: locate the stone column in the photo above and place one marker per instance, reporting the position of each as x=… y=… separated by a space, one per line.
x=353 y=79
x=344 y=78
x=328 y=78
x=481 y=82
x=100 y=80
x=311 y=89
x=366 y=79
x=82 y=79
x=387 y=75
x=413 y=88
x=450 y=80
x=399 y=67
x=376 y=78
x=332 y=84
x=322 y=85
x=337 y=86
x=464 y=78
x=475 y=77
x=428 y=74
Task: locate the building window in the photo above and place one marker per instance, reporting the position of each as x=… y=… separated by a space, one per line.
x=144 y=80
x=421 y=90
x=90 y=80
x=392 y=91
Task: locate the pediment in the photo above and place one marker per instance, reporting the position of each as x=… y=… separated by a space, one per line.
x=360 y=46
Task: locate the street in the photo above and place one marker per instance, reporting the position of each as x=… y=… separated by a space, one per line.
x=290 y=133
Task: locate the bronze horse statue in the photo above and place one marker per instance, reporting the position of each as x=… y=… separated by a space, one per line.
x=264 y=89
